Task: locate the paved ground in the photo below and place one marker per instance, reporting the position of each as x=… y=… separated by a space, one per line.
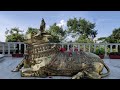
x=9 y=63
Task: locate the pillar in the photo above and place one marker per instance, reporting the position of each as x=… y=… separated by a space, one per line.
x=3 y=50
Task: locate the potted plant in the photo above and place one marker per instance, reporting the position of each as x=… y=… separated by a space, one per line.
x=14 y=53
x=114 y=55
x=18 y=54
x=100 y=52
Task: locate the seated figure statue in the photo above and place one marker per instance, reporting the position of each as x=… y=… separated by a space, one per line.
x=41 y=30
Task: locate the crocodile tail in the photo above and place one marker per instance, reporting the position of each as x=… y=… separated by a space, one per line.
x=108 y=71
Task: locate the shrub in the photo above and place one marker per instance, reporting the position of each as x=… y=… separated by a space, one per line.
x=100 y=51
x=114 y=53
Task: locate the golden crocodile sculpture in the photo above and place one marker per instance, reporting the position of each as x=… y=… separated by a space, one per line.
x=43 y=59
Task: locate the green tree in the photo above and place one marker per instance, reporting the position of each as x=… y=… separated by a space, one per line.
x=14 y=35
x=102 y=39
x=116 y=35
x=57 y=33
x=31 y=30
x=84 y=39
x=113 y=38
x=81 y=28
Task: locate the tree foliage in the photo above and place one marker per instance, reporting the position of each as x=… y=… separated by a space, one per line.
x=113 y=38
x=31 y=30
x=14 y=35
x=57 y=33
x=81 y=28
x=84 y=39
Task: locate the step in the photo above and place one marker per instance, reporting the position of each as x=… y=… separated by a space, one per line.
x=1 y=57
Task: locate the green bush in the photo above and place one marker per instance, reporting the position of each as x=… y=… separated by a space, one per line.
x=100 y=51
x=114 y=53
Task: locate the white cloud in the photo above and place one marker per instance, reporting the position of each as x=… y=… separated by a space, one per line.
x=62 y=23
x=47 y=26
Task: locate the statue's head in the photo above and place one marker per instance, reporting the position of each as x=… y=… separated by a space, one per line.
x=43 y=20
x=43 y=23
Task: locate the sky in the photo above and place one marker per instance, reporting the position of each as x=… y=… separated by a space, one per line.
x=105 y=21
